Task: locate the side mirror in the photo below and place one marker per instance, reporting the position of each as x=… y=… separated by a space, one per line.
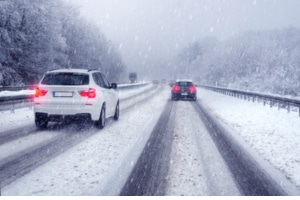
x=113 y=86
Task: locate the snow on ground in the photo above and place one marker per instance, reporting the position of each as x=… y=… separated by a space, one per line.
x=18 y=118
x=93 y=167
x=22 y=144
x=196 y=167
x=274 y=134
x=16 y=93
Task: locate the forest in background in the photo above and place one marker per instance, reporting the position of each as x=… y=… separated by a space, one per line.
x=40 y=35
x=260 y=61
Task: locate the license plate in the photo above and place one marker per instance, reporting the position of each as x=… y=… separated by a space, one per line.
x=184 y=94
x=62 y=94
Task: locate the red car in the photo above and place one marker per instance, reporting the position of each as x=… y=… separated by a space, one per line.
x=184 y=89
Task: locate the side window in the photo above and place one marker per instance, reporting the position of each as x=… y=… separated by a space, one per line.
x=98 y=79
x=105 y=81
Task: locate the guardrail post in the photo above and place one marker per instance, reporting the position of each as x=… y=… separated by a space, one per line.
x=288 y=108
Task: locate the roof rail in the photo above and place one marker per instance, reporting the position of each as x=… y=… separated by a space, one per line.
x=93 y=70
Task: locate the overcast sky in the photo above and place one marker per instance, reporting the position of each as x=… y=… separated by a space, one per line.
x=150 y=32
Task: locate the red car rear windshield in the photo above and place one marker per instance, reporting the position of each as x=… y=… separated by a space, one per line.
x=185 y=84
x=65 y=79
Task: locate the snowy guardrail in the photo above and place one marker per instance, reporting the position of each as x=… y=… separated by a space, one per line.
x=131 y=85
x=272 y=100
x=10 y=97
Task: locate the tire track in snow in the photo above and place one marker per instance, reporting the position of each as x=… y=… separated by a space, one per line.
x=98 y=165
x=196 y=167
x=58 y=138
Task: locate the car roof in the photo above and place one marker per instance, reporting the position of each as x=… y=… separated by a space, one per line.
x=184 y=80
x=72 y=70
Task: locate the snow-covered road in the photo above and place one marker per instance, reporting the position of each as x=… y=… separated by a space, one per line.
x=100 y=164
x=196 y=166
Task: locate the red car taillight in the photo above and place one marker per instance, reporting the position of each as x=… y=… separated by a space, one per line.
x=90 y=93
x=192 y=89
x=176 y=88
x=39 y=92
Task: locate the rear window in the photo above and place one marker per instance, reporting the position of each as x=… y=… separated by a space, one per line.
x=185 y=84
x=65 y=79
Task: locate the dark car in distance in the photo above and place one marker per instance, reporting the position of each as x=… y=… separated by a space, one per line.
x=184 y=89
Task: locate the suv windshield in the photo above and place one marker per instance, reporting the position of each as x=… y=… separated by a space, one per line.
x=65 y=79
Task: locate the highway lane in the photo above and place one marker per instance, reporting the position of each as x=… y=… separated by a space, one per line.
x=58 y=138
x=187 y=153
x=180 y=159
x=200 y=158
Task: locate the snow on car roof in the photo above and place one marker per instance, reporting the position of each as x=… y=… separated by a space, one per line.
x=184 y=80
x=72 y=70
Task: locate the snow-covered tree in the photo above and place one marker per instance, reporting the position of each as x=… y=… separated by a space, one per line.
x=38 y=35
x=266 y=61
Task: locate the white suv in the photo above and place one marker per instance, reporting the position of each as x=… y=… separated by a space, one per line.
x=75 y=94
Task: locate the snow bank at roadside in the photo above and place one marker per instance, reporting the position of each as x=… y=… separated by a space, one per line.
x=272 y=133
x=16 y=93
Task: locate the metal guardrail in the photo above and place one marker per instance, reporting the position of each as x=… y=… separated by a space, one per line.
x=272 y=100
x=131 y=85
x=17 y=88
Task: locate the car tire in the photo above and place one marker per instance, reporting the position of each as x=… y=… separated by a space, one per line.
x=41 y=123
x=101 y=122
x=117 y=112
